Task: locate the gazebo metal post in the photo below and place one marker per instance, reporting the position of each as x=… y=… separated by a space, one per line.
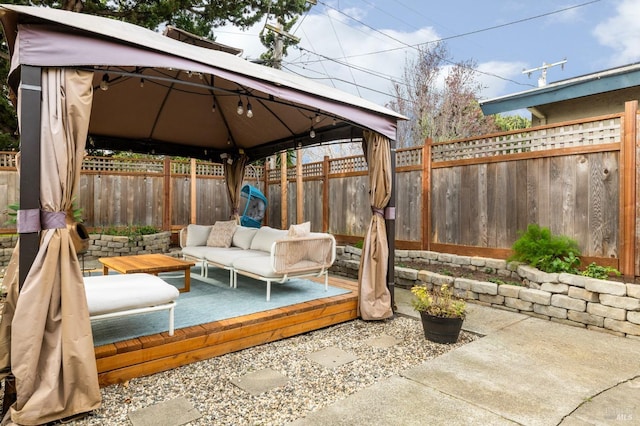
x=390 y=223
x=30 y=109
x=29 y=161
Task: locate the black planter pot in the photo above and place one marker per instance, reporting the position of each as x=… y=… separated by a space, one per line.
x=441 y=330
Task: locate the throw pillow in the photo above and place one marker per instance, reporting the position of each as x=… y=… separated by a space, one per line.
x=300 y=230
x=221 y=233
x=197 y=235
x=243 y=236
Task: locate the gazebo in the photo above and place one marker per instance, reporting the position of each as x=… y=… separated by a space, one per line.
x=78 y=77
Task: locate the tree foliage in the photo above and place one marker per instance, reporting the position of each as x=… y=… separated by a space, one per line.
x=199 y=17
x=440 y=98
x=511 y=122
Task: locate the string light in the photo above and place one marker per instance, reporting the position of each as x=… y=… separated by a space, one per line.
x=213 y=105
x=240 y=108
x=104 y=84
x=249 y=109
x=312 y=132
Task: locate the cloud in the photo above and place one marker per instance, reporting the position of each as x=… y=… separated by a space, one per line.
x=621 y=32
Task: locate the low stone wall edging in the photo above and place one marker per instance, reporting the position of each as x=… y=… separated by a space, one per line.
x=607 y=306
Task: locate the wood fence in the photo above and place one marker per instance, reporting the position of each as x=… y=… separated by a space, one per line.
x=469 y=197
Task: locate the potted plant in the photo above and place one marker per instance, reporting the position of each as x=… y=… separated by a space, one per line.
x=441 y=312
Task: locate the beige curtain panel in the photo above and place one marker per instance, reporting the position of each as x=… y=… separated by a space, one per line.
x=375 y=298
x=233 y=175
x=51 y=345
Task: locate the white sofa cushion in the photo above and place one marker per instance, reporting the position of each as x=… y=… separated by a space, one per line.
x=265 y=237
x=197 y=235
x=115 y=293
x=243 y=237
x=197 y=252
x=226 y=257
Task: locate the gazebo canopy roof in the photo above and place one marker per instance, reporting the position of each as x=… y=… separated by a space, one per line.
x=169 y=97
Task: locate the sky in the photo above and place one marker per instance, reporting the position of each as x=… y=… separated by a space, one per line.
x=362 y=46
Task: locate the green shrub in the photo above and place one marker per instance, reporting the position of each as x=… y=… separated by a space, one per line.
x=359 y=244
x=131 y=231
x=549 y=253
x=601 y=272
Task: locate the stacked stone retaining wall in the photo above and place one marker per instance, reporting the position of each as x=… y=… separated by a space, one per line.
x=609 y=306
x=101 y=245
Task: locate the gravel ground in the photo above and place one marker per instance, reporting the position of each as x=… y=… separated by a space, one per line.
x=207 y=384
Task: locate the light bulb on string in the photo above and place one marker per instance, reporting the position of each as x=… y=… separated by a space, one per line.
x=249 y=109
x=240 y=108
x=104 y=84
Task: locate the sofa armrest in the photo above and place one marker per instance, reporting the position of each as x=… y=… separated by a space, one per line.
x=183 y=237
x=303 y=254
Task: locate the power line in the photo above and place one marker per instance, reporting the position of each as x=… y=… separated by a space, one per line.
x=417 y=46
x=519 y=21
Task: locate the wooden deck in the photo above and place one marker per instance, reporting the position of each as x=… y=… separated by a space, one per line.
x=121 y=361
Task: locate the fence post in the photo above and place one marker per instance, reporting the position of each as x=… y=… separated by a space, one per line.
x=284 y=190
x=265 y=219
x=426 y=195
x=628 y=190
x=325 y=194
x=166 y=199
x=193 y=209
x=299 y=188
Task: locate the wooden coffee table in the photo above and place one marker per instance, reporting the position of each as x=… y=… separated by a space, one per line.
x=150 y=264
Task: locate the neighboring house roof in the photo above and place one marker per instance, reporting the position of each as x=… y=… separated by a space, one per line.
x=590 y=84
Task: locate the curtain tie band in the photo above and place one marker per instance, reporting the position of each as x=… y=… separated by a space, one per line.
x=379 y=212
x=35 y=220
x=53 y=220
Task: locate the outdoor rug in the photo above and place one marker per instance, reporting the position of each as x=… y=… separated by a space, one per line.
x=210 y=299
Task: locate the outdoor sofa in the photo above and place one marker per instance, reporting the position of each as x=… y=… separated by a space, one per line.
x=266 y=254
x=110 y=296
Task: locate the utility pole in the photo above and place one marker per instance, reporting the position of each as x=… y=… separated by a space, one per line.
x=542 y=80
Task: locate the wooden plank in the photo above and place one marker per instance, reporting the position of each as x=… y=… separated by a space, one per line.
x=166 y=195
x=482 y=207
x=555 y=195
x=544 y=172
x=465 y=216
x=596 y=206
x=522 y=194
x=568 y=179
x=510 y=206
x=283 y=191
x=500 y=205
x=611 y=215
x=581 y=206
x=426 y=196
x=193 y=194
x=452 y=214
x=532 y=192
x=628 y=189
x=299 y=188
x=325 y=194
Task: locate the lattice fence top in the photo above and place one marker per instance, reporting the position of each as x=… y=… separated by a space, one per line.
x=596 y=132
x=122 y=165
x=348 y=165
